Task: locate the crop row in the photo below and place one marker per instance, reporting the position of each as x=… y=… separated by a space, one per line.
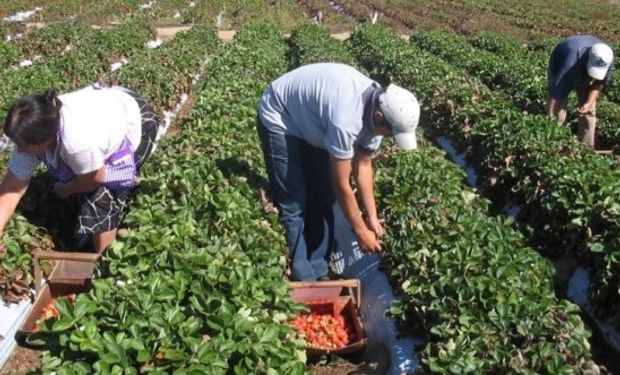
x=196 y=286
x=467 y=277
x=521 y=77
x=9 y=30
x=510 y=48
x=229 y=14
x=87 y=62
x=331 y=19
x=91 y=12
x=461 y=271
x=575 y=17
x=65 y=72
x=310 y=44
x=569 y=195
x=49 y=40
x=152 y=74
x=162 y=75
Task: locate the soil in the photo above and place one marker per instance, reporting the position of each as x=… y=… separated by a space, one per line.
x=165 y=33
x=350 y=365
x=226 y=35
x=21 y=361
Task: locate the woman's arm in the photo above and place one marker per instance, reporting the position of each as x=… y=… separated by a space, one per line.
x=81 y=184
x=12 y=189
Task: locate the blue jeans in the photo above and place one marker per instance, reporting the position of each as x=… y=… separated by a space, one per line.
x=300 y=183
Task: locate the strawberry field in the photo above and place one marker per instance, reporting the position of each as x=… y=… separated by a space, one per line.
x=195 y=282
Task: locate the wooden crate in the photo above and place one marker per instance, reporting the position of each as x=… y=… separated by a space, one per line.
x=325 y=297
x=71 y=273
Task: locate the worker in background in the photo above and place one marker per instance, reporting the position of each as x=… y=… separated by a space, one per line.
x=319 y=125
x=581 y=63
x=92 y=142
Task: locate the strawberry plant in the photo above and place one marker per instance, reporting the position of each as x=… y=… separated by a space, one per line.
x=67 y=71
x=182 y=292
x=457 y=105
x=54 y=38
x=172 y=66
x=459 y=269
x=567 y=192
x=304 y=51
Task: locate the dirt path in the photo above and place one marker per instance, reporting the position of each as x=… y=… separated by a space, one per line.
x=226 y=36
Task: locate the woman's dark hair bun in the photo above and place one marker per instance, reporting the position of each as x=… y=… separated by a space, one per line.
x=33 y=119
x=51 y=97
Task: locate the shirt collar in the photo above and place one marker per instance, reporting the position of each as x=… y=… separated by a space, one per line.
x=369 y=99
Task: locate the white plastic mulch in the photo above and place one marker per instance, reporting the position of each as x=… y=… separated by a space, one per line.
x=578 y=286
x=12 y=317
x=117 y=65
x=385 y=344
x=23 y=15
x=154 y=43
x=148 y=5
x=446 y=144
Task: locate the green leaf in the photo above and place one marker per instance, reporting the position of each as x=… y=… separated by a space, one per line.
x=597 y=247
x=64 y=307
x=270 y=334
x=110 y=358
x=116 y=350
x=279 y=317
x=144 y=356
x=62 y=324
x=81 y=307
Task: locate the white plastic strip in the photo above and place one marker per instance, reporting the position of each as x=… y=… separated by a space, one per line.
x=22 y=16
x=578 y=286
x=446 y=144
x=12 y=317
x=154 y=43
x=385 y=345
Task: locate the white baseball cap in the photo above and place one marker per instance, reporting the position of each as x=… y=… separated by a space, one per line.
x=600 y=58
x=402 y=111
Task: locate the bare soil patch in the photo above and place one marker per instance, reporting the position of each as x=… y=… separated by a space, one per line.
x=165 y=33
x=21 y=361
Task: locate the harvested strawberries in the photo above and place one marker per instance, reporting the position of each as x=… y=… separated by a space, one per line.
x=50 y=311
x=325 y=331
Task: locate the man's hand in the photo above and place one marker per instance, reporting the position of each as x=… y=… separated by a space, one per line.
x=375 y=225
x=585 y=109
x=62 y=190
x=367 y=240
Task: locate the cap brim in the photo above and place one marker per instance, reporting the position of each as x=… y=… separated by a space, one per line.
x=597 y=72
x=406 y=141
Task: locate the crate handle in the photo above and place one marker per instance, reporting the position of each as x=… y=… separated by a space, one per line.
x=40 y=255
x=347 y=283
